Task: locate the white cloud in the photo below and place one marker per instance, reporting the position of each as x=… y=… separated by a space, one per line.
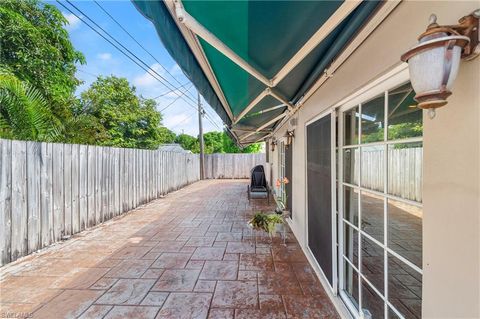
x=73 y=21
x=178 y=120
x=104 y=56
x=146 y=80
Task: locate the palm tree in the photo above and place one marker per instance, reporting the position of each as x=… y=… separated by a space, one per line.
x=24 y=113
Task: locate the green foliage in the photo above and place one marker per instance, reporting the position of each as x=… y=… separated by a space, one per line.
x=188 y=142
x=38 y=65
x=129 y=121
x=265 y=222
x=166 y=136
x=36 y=48
x=214 y=142
x=24 y=113
x=230 y=147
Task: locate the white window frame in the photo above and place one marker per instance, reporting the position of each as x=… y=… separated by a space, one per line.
x=396 y=77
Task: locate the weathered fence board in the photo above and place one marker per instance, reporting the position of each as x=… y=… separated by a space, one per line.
x=33 y=196
x=231 y=165
x=5 y=200
x=50 y=191
x=19 y=199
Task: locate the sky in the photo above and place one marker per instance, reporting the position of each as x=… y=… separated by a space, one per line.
x=104 y=59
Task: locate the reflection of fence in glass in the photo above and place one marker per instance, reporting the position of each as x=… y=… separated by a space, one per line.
x=404 y=171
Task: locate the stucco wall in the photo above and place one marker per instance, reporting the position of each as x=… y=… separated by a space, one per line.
x=451 y=225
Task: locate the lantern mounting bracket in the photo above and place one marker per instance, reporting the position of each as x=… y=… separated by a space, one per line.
x=467 y=26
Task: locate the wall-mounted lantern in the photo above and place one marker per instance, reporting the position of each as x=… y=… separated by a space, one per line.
x=434 y=62
x=273 y=143
x=289 y=135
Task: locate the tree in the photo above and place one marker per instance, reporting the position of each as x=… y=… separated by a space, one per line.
x=213 y=142
x=129 y=121
x=230 y=147
x=24 y=113
x=36 y=48
x=188 y=142
x=166 y=136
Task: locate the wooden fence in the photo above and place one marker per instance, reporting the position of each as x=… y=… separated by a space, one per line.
x=231 y=165
x=404 y=171
x=50 y=191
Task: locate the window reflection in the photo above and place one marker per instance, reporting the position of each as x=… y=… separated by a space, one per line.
x=373 y=120
x=350 y=123
x=405 y=230
x=372 y=167
x=351 y=282
x=372 y=215
x=404 y=117
x=350 y=244
x=350 y=205
x=405 y=163
x=372 y=302
x=373 y=263
x=404 y=288
x=350 y=165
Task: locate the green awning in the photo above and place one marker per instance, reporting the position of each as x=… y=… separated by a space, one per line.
x=261 y=38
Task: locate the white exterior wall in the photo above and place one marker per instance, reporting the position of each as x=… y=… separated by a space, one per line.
x=451 y=226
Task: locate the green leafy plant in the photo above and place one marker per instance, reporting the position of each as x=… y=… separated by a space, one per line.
x=265 y=222
x=24 y=112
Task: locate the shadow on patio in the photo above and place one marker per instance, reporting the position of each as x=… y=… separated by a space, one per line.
x=188 y=255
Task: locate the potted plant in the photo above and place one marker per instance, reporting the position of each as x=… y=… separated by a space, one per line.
x=265 y=222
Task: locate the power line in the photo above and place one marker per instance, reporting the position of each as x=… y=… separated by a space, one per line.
x=146 y=67
x=165 y=93
x=123 y=52
x=139 y=44
x=171 y=103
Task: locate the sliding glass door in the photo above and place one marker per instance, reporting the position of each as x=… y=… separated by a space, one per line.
x=380 y=205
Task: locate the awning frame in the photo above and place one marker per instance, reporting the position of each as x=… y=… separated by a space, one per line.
x=196 y=29
x=192 y=30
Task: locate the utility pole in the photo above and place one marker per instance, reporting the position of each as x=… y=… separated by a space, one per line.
x=200 y=137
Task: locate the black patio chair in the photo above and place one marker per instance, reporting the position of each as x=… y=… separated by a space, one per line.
x=258 y=187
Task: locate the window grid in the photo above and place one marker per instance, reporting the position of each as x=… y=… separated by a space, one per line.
x=385 y=195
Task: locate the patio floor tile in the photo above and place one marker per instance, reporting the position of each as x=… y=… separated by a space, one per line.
x=122 y=312
x=235 y=294
x=219 y=270
x=177 y=280
x=171 y=260
x=209 y=253
x=187 y=255
x=95 y=312
x=185 y=305
x=127 y=292
x=69 y=304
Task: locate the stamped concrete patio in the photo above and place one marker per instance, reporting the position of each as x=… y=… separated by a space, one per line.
x=188 y=255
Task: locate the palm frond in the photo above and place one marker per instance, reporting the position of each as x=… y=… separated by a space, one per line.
x=25 y=111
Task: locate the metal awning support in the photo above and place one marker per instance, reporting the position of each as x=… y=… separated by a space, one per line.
x=252 y=104
x=255 y=101
x=281 y=99
x=201 y=58
x=273 y=108
x=191 y=23
x=193 y=31
x=264 y=126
